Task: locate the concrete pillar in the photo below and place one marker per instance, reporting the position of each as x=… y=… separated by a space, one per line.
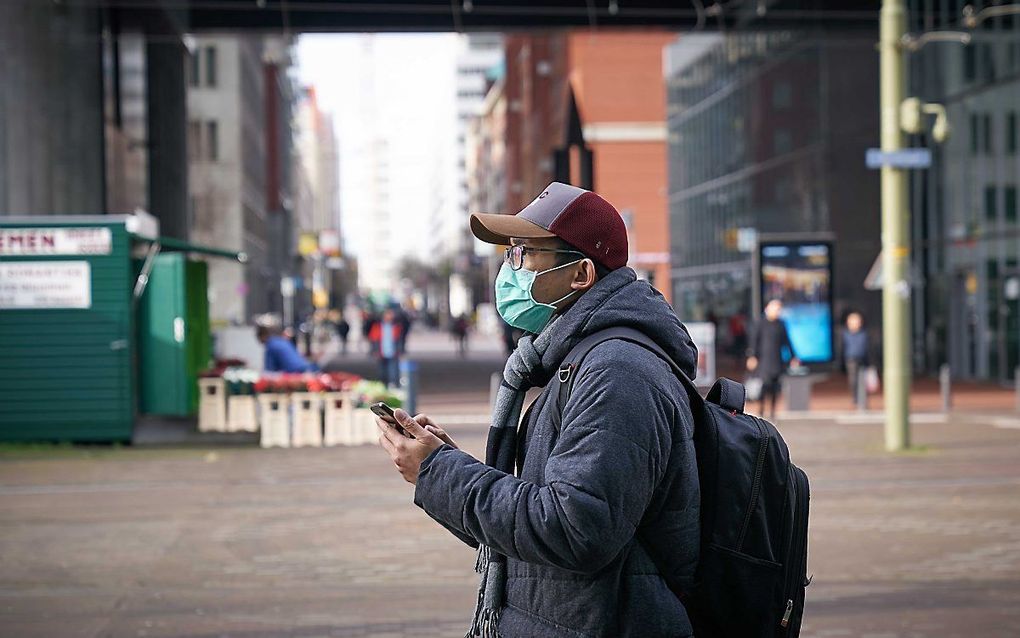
x=168 y=159
x=51 y=110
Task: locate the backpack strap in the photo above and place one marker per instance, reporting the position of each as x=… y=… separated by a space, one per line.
x=572 y=362
x=727 y=393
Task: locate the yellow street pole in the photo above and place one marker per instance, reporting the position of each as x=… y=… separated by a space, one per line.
x=895 y=234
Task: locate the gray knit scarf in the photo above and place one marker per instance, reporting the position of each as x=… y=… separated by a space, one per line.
x=533 y=364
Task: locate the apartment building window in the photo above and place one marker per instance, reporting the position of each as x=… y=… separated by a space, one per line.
x=194 y=140
x=782 y=141
x=988 y=133
x=987 y=62
x=210 y=66
x=974 y=133
x=782 y=95
x=212 y=141
x=969 y=63
x=990 y=209
x=1011 y=141
x=1010 y=193
x=193 y=69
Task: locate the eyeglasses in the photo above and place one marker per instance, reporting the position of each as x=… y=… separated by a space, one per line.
x=514 y=255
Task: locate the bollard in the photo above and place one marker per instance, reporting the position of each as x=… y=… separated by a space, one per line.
x=409 y=379
x=1016 y=383
x=494 y=382
x=862 y=388
x=945 y=386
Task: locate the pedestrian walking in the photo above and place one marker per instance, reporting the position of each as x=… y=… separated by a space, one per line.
x=385 y=337
x=769 y=350
x=564 y=545
x=404 y=320
x=460 y=328
x=343 y=330
x=855 y=352
x=368 y=322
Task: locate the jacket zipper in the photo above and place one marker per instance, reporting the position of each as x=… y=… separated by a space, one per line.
x=759 y=466
x=786 y=615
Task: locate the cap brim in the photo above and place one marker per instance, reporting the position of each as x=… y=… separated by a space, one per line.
x=498 y=229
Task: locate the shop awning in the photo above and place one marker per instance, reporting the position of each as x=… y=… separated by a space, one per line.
x=172 y=244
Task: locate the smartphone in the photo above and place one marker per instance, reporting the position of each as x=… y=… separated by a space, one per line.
x=385 y=413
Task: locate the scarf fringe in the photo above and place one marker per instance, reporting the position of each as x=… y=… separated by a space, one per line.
x=481 y=559
x=487 y=625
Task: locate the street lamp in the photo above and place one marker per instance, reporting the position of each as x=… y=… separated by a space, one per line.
x=912 y=111
x=972 y=18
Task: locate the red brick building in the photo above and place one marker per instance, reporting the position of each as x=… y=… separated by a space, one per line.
x=615 y=80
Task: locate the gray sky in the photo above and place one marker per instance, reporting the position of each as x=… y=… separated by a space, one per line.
x=396 y=87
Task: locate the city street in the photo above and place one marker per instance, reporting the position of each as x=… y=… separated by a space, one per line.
x=226 y=225
x=235 y=541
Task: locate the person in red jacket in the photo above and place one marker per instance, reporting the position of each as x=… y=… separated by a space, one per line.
x=385 y=337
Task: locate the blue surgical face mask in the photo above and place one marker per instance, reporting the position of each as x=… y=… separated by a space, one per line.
x=517 y=305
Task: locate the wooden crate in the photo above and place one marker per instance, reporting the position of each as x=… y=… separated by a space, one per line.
x=364 y=428
x=274 y=420
x=307 y=407
x=242 y=413
x=338 y=419
x=212 y=405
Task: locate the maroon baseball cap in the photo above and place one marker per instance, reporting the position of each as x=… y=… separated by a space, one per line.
x=577 y=216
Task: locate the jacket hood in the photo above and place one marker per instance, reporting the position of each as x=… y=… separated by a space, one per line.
x=621 y=299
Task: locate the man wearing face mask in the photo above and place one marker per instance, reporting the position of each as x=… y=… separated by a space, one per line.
x=585 y=514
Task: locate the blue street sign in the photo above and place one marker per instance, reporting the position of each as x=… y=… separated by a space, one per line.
x=903 y=158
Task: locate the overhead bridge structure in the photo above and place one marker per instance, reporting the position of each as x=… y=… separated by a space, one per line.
x=87 y=85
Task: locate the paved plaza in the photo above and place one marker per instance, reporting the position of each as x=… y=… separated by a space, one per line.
x=239 y=541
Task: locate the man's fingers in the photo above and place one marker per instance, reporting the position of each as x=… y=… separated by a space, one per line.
x=384 y=441
x=413 y=427
x=439 y=432
x=388 y=431
x=424 y=420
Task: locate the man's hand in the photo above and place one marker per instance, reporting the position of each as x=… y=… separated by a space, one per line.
x=408 y=453
x=430 y=425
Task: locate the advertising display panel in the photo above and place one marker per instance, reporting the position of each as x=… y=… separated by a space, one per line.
x=799 y=273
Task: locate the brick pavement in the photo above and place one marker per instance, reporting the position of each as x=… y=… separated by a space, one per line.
x=325 y=542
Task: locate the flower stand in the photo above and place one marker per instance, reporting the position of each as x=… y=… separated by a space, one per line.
x=307 y=419
x=212 y=405
x=274 y=420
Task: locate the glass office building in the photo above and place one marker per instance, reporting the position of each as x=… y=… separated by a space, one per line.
x=964 y=209
x=767 y=131
x=767 y=135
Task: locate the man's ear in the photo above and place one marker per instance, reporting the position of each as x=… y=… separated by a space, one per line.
x=585 y=276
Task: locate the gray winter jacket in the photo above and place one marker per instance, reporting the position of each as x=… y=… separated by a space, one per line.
x=606 y=500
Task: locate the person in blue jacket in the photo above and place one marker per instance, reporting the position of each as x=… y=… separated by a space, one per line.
x=281 y=355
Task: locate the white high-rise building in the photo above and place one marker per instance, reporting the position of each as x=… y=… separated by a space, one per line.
x=481 y=54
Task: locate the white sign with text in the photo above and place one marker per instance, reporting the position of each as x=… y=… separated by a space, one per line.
x=45 y=284
x=55 y=241
x=703 y=336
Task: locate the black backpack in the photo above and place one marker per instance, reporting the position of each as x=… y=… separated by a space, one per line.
x=752 y=570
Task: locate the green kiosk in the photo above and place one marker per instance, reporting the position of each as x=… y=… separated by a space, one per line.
x=101 y=321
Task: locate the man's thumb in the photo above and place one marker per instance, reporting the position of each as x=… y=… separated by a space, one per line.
x=410 y=425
